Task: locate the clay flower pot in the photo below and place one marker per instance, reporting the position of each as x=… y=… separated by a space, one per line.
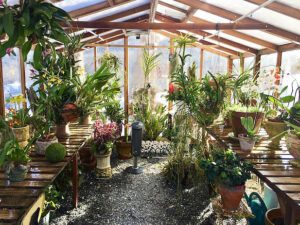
x=293 y=145
x=274 y=216
x=42 y=145
x=70 y=112
x=124 y=149
x=246 y=143
x=274 y=128
x=237 y=126
x=22 y=135
x=62 y=130
x=231 y=196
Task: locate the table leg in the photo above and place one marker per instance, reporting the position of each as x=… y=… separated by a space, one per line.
x=75 y=180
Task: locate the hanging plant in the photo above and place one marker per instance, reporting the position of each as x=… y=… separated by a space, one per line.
x=31 y=22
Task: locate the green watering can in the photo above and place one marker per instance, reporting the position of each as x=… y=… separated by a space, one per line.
x=258 y=208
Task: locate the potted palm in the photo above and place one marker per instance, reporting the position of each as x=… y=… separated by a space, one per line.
x=18 y=119
x=229 y=174
x=248 y=139
x=14 y=159
x=102 y=145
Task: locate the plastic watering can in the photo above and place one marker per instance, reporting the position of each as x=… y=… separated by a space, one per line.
x=258 y=208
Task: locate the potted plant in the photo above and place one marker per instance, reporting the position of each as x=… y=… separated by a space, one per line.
x=18 y=119
x=123 y=145
x=102 y=145
x=14 y=159
x=293 y=140
x=248 y=139
x=229 y=174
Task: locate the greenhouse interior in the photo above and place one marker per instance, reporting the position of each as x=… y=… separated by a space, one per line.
x=129 y=112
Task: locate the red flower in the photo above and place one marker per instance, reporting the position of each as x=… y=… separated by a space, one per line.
x=171 y=88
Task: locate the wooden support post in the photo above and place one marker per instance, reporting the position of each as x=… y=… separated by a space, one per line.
x=171 y=52
x=242 y=64
x=256 y=66
x=95 y=59
x=23 y=76
x=229 y=66
x=126 y=97
x=278 y=61
x=2 y=100
x=201 y=63
x=75 y=180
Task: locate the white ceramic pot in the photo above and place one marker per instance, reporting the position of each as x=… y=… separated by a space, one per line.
x=41 y=146
x=22 y=135
x=103 y=168
x=246 y=144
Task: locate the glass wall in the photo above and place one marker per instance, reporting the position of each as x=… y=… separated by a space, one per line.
x=11 y=75
x=88 y=60
x=268 y=62
x=214 y=63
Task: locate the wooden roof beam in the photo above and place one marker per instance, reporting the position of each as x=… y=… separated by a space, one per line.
x=161 y=17
x=111 y=2
x=234 y=33
x=189 y=14
x=233 y=16
x=279 y=7
x=167 y=26
x=95 y=8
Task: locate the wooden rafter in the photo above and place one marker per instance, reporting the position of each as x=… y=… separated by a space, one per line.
x=233 y=16
x=95 y=8
x=161 y=17
x=279 y=7
x=111 y=2
x=173 y=7
x=190 y=13
x=168 y=26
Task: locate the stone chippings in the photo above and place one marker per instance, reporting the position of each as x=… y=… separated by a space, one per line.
x=127 y=199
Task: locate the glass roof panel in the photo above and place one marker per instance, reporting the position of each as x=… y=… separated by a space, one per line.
x=177 y=4
x=70 y=5
x=265 y=36
x=170 y=12
x=114 y=10
x=210 y=17
x=132 y=16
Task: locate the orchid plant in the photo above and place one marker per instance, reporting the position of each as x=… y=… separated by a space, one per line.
x=17 y=116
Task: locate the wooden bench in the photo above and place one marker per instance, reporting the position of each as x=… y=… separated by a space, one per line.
x=272 y=166
x=17 y=199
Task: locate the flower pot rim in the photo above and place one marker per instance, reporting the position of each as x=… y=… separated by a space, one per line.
x=245 y=138
x=231 y=187
x=19 y=128
x=103 y=155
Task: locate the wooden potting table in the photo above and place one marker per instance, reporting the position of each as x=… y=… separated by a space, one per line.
x=272 y=166
x=17 y=198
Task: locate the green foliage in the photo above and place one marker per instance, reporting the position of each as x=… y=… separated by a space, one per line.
x=52 y=199
x=225 y=168
x=150 y=61
x=55 y=152
x=241 y=108
x=94 y=91
x=19 y=118
x=6 y=133
x=113 y=62
x=249 y=124
x=13 y=152
x=114 y=112
x=154 y=120
x=34 y=21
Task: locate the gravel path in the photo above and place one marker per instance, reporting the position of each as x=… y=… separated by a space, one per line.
x=135 y=199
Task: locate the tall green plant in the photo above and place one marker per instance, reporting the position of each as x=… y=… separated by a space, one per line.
x=150 y=61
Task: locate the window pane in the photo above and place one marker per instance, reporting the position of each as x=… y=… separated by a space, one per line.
x=88 y=60
x=11 y=75
x=268 y=62
x=28 y=69
x=214 y=63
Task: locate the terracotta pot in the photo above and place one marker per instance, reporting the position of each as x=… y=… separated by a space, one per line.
x=228 y=122
x=22 y=135
x=86 y=120
x=87 y=159
x=231 y=196
x=237 y=126
x=70 y=113
x=274 y=217
x=246 y=143
x=62 y=130
x=273 y=129
x=42 y=145
x=103 y=165
x=293 y=145
x=16 y=173
x=124 y=149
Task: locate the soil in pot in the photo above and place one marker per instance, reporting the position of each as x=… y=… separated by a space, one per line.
x=246 y=143
x=62 y=130
x=103 y=168
x=124 y=148
x=237 y=126
x=231 y=196
x=22 y=135
x=274 y=128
